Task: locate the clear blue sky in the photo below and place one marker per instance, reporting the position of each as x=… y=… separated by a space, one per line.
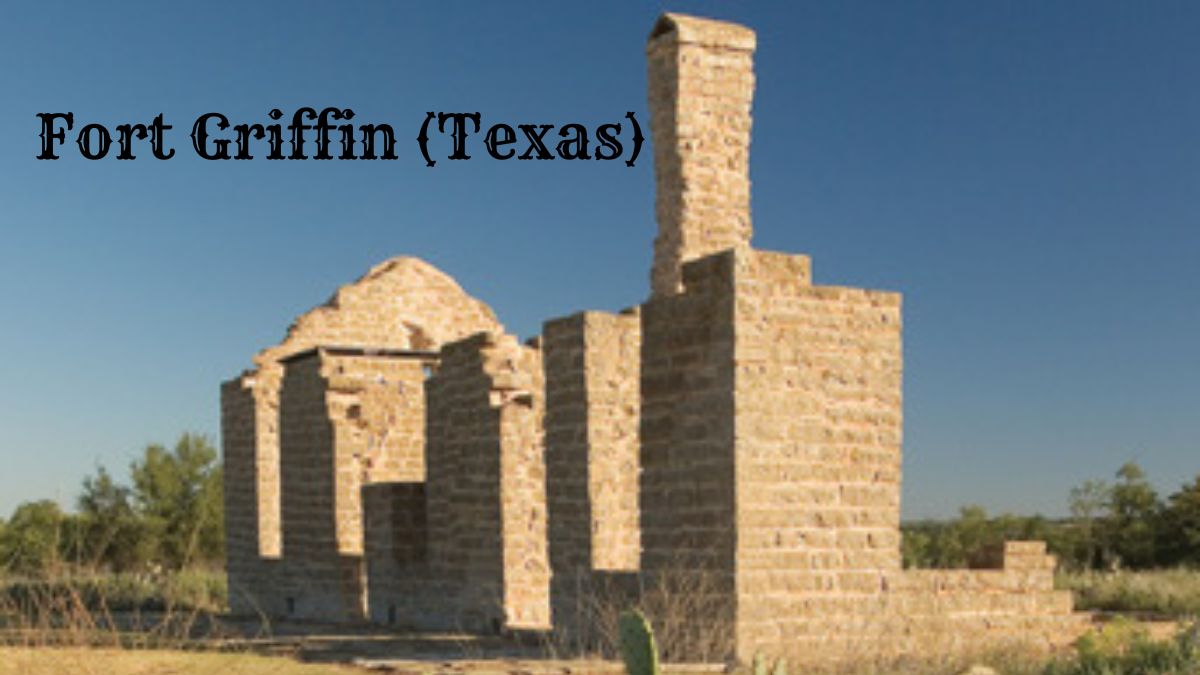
x=1026 y=173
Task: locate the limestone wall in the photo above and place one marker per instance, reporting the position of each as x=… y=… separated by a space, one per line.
x=251 y=489
x=947 y=611
x=520 y=393
x=485 y=492
x=400 y=583
x=771 y=430
x=316 y=580
x=568 y=498
x=401 y=304
x=614 y=409
x=376 y=403
x=347 y=418
x=687 y=487
x=817 y=388
x=818 y=423
x=592 y=370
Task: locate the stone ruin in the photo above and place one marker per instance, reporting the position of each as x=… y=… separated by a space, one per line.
x=735 y=439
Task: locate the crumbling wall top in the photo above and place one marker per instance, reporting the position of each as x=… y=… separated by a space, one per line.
x=402 y=304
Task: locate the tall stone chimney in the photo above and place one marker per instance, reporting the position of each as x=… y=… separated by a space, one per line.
x=701 y=87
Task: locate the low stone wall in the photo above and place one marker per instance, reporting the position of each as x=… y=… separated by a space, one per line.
x=935 y=614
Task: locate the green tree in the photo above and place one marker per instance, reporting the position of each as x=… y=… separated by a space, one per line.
x=113 y=534
x=949 y=544
x=974 y=539
x=1131 y=523
x=915 y=546
x=1180 y=532
x=972 y=534
x=1088 y=502
x=179 y=495
x=31 y=540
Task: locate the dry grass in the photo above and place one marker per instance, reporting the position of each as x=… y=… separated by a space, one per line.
x=189 y=589
x=682 y=605
x=63 y=628
x=83 y=661
x=57 y=614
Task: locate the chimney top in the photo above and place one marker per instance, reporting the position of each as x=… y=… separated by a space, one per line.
x=685 y=29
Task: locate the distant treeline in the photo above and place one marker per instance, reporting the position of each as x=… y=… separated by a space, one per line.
x=1123 y=524
x=170 y=516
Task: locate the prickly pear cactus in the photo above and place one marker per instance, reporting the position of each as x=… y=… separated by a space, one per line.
x=760 y=666
x=637 y=644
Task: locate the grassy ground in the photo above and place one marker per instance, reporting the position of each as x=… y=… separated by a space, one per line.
x=1120 y=647
x=90 y=661
x=1164 y=593
x=49 y=628
x=79 y=661
x=1167 y=593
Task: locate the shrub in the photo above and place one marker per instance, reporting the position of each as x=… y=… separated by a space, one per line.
x=1168 y=593
x=1123 y=648
x=187 y=590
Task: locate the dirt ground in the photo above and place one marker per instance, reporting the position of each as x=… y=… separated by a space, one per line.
x=302 y=648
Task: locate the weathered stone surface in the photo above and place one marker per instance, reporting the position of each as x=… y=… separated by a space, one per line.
x=483 y=514
x=403 y=304
x=347 y=419
x=701 y=78
x=591 y=436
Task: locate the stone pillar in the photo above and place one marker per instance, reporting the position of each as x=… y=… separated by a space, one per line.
x=265 y=384
x=485 y=489
x=569 y=507
x=701 y=84
x=245 y=524
x=592 y=409
x=347 y=418
x=250 y=449
x=613 y=344
x=688 y=508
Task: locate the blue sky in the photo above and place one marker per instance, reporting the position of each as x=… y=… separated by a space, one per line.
x=1026 y=173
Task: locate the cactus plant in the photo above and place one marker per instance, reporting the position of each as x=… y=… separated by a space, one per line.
x=759 y=666
x=638 y=648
